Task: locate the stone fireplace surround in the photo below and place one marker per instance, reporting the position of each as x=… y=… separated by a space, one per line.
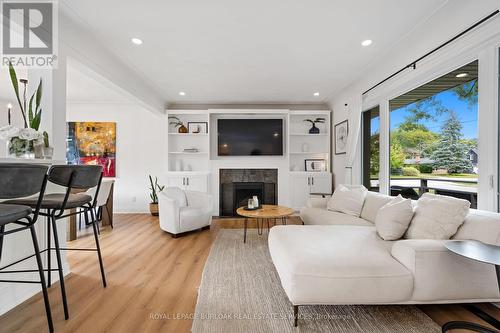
x=260 y=180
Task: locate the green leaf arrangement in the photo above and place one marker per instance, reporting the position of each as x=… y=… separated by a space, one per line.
x=155 y=189
x=33 y=116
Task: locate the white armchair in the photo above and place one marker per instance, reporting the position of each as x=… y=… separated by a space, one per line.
x=182 y=211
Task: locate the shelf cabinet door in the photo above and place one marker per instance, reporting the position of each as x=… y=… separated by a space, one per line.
x=300 y=186
x=176 y=181
x=197 y=183
x=321 y=183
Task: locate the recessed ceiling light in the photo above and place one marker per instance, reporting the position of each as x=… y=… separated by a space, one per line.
x=136 y=41
x=366 y=42
x=316 y=94
x=462 y=75
x=182 y=93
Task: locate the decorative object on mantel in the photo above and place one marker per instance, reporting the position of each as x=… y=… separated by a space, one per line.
x=21 y=141
x=316 y=165
x=190 y=150
x=314 y=129
x=154 y=188
x=178 y=123
x=341 y=133
x=198 y=127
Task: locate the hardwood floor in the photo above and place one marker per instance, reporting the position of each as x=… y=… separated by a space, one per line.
x=151 y=277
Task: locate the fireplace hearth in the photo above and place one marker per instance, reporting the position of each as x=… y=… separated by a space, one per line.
x=239 y=185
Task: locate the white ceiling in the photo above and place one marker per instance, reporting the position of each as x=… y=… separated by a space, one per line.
x=259 y=51
x=83 y=86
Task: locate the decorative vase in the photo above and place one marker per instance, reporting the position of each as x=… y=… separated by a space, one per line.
x=314 y=129
x=21 y=148
x=178 y=165
x=183 y=129
x=38 y=150
x=153 y=208
x=305 y=147
x=48 y=152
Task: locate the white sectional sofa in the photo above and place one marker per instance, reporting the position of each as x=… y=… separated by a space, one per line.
x=336 y=258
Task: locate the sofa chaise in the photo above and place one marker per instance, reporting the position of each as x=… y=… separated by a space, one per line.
x=336 y=258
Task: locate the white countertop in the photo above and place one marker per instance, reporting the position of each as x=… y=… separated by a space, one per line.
x=32 y=161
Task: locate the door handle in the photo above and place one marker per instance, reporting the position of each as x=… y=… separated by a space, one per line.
x=312 y=180
x=183 y=181
x=187 y=181
x=309 y=181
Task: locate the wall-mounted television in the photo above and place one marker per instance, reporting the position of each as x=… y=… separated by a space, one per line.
x=249 y=137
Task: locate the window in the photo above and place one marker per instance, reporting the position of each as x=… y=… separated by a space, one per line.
x=371 y=148
x=433 y=137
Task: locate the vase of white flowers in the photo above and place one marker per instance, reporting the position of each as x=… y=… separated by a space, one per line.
x=21 y=142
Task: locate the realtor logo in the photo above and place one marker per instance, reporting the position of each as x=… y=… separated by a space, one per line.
x=28 y=33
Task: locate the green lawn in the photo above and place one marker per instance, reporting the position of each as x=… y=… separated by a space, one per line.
x=428 y=176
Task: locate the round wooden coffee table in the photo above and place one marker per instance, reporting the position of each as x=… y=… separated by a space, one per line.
x=488 y=254
x=265 y=213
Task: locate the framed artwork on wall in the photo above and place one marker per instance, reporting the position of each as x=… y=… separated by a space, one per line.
x=198 y=127
x=315 y=165
x=92 y=143
x=341 y=132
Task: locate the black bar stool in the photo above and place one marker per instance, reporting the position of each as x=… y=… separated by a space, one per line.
x=72 y=177
x=21 y=180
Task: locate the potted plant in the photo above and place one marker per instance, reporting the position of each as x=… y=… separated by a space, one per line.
x=178 y=123
x=154 y=188
x=314 y=129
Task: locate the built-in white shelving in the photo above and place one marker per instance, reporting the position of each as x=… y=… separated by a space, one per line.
x=185 y=161
x=189 y=134
x=188 y=153
x=310 y=135
x=304 y=145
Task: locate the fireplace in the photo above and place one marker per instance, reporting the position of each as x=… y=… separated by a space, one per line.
x=244 y=191
x=239 y=185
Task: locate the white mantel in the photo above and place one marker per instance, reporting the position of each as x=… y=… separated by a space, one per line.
x=19 y=245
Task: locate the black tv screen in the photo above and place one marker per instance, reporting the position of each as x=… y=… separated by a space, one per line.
x=250 y=137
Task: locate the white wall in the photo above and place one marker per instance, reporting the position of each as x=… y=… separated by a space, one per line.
x=77 y=42
x=482 y=43
x=140 y=147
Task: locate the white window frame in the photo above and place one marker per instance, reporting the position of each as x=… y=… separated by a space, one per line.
x=483 y=45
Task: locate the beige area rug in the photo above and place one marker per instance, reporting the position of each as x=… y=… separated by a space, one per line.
x=241 y=292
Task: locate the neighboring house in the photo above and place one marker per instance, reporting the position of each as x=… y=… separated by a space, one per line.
x=473 y=157
x=418 y=160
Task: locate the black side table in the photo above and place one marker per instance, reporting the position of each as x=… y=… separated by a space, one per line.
x=489 y=254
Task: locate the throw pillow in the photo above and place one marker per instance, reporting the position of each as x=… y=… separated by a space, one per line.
x=348 y=199
x=437 y=217
x=393 y=218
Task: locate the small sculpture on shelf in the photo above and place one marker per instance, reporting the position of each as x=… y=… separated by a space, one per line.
x=314 y=129
x=178 y=123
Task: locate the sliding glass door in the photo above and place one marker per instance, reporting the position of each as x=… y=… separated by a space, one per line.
x=434 y=137
x=371 y=148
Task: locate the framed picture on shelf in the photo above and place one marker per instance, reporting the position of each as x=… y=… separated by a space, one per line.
x=341 y=133
x=198 y=127
x=317 y=165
